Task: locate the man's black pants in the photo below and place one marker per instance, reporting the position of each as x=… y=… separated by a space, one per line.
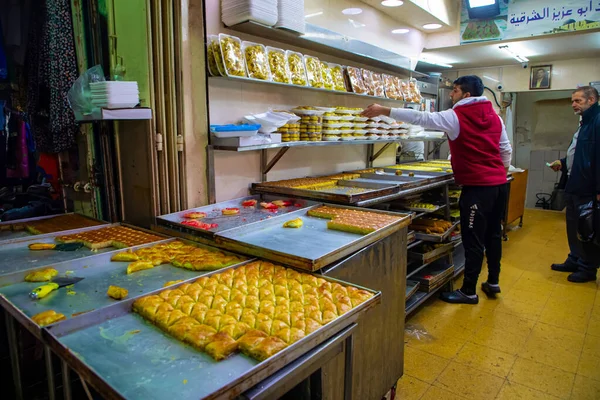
x=585 y=255
x=482 y=210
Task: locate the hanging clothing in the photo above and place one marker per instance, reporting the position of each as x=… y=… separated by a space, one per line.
x=3 y=61
x=52 y=70
x=19 y=167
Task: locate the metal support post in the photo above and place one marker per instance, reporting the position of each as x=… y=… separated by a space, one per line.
x=348 y=367
x=66 y=378
x=13 y=348
x=380 y=152
x=273 y=161
x=210 y=172
x=447 y=200
x=370 y=150
x=49 y=372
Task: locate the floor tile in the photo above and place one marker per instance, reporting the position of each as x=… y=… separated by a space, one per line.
x=591 y=345
x=542 y=377
x=410 y=388
x=422 y=365
x=589 y=366
x=521 y=309
x=436 y=393
x=446 y=347
x=515 y=391
x=469 y=382
x=554 y=346
x=509 y=323
x=585 y=389
x=499 y=339
x=594 y=326
x=486 y=359
x=562 y=317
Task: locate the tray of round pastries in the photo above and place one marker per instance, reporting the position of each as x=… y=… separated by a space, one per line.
x=209 y=338
x=314 y=237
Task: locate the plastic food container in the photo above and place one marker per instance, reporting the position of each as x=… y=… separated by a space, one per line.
x=313 y=71
x=296 y=67
x=257 y=62
x=227 y=131
x=356 y=80
x=326 y=76
x=337 y=75
x=233 y=56
x=278 y=65
x=368 y=81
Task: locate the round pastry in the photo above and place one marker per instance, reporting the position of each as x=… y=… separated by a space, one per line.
x=194 y=215
x=230 y=211
x=249 y=203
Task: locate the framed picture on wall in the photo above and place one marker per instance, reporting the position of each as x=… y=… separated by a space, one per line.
x=541 y=77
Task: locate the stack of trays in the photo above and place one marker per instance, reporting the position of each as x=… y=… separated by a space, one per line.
x=434 y=275
x=411 y=288
x=291 y=15
x=234 y=12
x=115 y=94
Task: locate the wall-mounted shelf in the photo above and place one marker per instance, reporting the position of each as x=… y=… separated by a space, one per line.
x=289 y=86
x=321 y=40
x=120 y=114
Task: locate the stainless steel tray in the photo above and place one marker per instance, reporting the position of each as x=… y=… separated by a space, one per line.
x=8 y=235
x=437 y=238
x=345 y=192
x=311 y=247
x=123 y=356
x=432 y=255
x=90 y=293
x=247 y=215
x=15 y=254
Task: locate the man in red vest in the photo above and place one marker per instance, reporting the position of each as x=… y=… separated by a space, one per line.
x=481 y=154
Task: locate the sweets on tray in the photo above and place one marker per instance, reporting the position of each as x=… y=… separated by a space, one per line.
x=301 y=183
x=278 y=64
x=296 y=67
x=115 y=236
x=353 y=221
x=117 y=293
x=430 y=225
x=43 y=275
x=337 y=74
x=313 y=71
x=258 y=309
x=257 y=63
x=233 y=57
x=60 y=223
x=48 y=317
x=179 y=255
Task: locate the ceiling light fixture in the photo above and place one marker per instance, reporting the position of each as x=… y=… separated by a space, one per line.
x=392 y=3
x=400 y=31
x=513 y=54
x=352 y=11
x=313 y=14
x=432 y=26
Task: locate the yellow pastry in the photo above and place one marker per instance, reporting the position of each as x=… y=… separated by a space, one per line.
x=43 y=275
x=116 y=292
x=47 y=317
x=125 y=256
x=295 y=223
x=139 y=266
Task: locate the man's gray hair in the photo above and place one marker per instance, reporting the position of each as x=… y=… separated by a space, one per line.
x=588 y=91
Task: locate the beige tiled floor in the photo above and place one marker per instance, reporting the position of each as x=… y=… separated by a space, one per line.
x=540 y=339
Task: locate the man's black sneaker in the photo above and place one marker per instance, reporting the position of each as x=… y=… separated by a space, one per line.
x=458 y=297
x=490 y=290
x=566 y=267
x=582 y=276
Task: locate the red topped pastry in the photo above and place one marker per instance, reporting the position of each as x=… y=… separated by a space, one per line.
x=230 y=211
x=249 y=203
x=194 y=215
x=199 y=225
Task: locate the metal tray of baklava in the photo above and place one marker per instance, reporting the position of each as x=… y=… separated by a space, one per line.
x=6 y=233
x=89 y=294
x=15 y=254
x=311 y=247
x=125 y=357
x=343 y=192
x=214 y=215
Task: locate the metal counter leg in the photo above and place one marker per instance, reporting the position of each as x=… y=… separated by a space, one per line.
x=348 y=367
x=49 y=372
x=13 y=348
x=66 y=378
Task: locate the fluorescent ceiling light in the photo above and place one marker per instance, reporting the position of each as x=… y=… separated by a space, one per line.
x=513 y=54
x=432 y=26
x=481 y=3
x=491 y=79
x=392 y=3
x=401 y=31
x=356 y=24
x=352 y=11
x=313 y=14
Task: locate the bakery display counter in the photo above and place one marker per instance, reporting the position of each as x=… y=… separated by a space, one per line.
x=103 y=344
x=29 y=227
x=319 y=242
x=16 y=255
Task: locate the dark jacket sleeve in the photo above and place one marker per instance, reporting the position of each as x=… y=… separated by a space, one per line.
x=563 y=165
x=596 y=155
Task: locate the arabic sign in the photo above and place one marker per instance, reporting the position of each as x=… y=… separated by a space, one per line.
x=538 y=17
x=524 y=18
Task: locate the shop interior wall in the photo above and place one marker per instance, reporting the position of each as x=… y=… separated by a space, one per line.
x=230 y=100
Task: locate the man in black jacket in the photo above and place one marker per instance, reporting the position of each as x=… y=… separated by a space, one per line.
x=583 y=185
